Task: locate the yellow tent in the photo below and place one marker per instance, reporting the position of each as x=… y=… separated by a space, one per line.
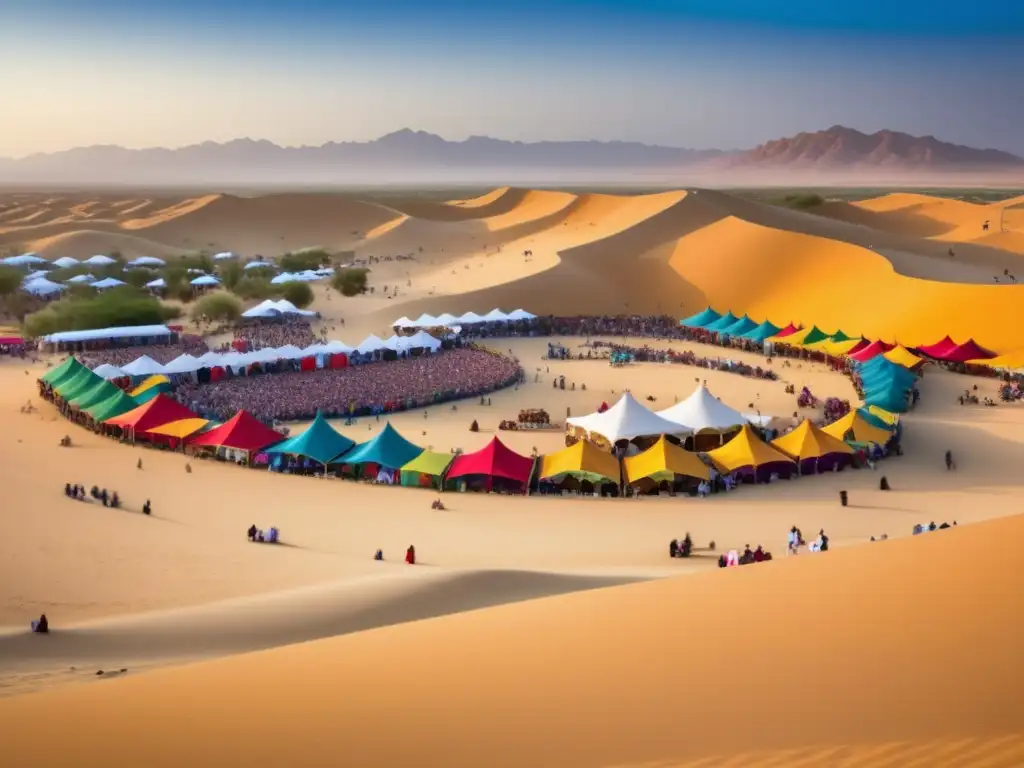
x=796 y=339
x=1009 y=361
x=746 y=450
x=863 y=431
x=181 y=428
x=152 y=381
x=833 y=348
x=583 y=460
x=903 y=356
x=664 y=457
x=809 y=442
x=890 y=418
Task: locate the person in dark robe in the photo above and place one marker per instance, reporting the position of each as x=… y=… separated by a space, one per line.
x=104 y=497
x=115 y=500
x=67 y=490
x=251 y=533
x=687 y=546
x=824 y=540
x=759 y=554
x=949 y=460
x=378 y=555
x=932 y=526
x=41 y=626
x=722 y=562
x=410 y=555
x=673 y=548
x=147 y=508
x=883 y=484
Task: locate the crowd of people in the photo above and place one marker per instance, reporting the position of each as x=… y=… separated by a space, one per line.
x=162 y=353
x=648 y=354
x=263 y=334
x=412 y=382
x=77 y=492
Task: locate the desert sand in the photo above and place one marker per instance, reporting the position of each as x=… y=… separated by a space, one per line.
x=862 y=655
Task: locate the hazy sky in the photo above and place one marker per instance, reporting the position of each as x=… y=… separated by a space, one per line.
x=695 y=73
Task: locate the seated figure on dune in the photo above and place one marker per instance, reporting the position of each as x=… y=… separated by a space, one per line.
x=41 y=626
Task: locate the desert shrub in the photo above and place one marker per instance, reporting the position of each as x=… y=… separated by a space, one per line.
x=139 y=276
x=188 y=261
x=183 y=293
x=10 y=279
x=803 y=200
x=218 y=306
x=117 y=307
x=299 y=294
x=230 y=273
x=254 y=288
x=350 y=282
x=309 y=258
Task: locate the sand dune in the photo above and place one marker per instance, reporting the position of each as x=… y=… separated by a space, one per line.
x=83 y=243
x=646 y=674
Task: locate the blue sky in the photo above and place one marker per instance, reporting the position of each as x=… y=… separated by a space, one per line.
x=700 y=73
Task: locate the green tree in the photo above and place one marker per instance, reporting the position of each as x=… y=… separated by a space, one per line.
x=309 y=258
x=350 y=282
x=10 y=279
x=230 y=273
x=254 y=288
x=218 y=306
x=299 y=294
x=117 y=307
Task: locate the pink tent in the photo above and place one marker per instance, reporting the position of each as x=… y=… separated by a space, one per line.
x=969 y=350
x=493 y=460
x=938 y=349
x=873 y=349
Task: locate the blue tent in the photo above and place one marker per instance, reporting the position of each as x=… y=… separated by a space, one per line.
x=320 y=442
x=741 y=326
x=722 y=323
x=761 y=332
x=701 y=319
x=388 y=449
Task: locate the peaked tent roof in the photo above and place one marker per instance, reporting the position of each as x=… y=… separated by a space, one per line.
x=969 y=350
x=143 y=366
x=871 y=350
x=789 y=330
x=801 y=337
x=721 y=323
x=157 y=412
x=809 y=442
x=108 y=371
x=702 y=318
x=903 y=356
x=741 y=326
x=1010 y=360
x=430 y=463
x=939 y=348
x=68 y=365
x=243 y=432
x=836 y=347
x=181 y=428
x=494 y=460
x=320 y=442
x=148 y=394
x=152 y=381
x=746 y=450
x=625 y=420
x=703 y=411
x=664 y=456
x=96 y=394
x=581 y=459
x=859 y=428
x=78 y=384
x=764 y=331
x=388 y=448
x=113 y=406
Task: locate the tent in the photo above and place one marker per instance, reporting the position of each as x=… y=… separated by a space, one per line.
x=1009 y=361
x=24 y=260
x=891 y=398
x=157 y=380
x=470 y=318
x=181 y=428
x=424 y=340
x=371 y=344
x=802 y=337
x=582 y=460
x=789 y=330
x=96 y=394
x=108 y=371
x=721 y=323
x=702 y=411
x=903 y=356
x=426 y=470
x=494 y=460
x=495 y=316
x=143 y=366
x=108 y=282
x=183 y=363
x=873 y=349
x=66 y=262
x=157 y=412
x=42 y=287
x=836 y=347
x=80 y=279
x=70 y=365
x=701 y=319
x=515 y=314
x=387 y=449
x=320 y=442
x=939 y=348
x=99 y=261
x=625 y=420
x=741 y=326
x=748 y=454
x=71 y=387
x=157 y=284
x=113 y=406
x=204 y=280
x=661 y=459
x=813 y=449
x=969 y=350
x=764 y=331
x=242 y=432
x=853 y=427
x=885 y=418
x=147 y=261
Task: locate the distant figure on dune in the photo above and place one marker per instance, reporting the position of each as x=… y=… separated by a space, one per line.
x=41 y=626
x=410 y=555
x=950 y=464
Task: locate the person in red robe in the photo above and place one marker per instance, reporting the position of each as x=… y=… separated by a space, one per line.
x=410 y=555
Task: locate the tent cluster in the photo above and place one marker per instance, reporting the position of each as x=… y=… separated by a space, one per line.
x=886 y=384
x=306 y=276
x=274 y=309
x=447 y=320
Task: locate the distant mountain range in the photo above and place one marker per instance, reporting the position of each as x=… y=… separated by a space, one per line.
x=416 y=155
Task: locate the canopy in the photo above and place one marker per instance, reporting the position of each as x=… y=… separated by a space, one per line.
x=722 y=323
x=493 y=460
x=65 y=262
x=741 y=326
x=747 y=450
x=108 y=282
x=148 y=394
x=496 y=316
x=24 y=259
x=969 y=350
x=183 y=363
x=854 y=426
x=66 y=366
x=903 y=356
x=836 y=347
x=99 y=260
x=809 y=442
x=939 y=348
x=582 y=460
x=1009 y=361
x=42 y=287
x=320 y=442
x=71 y=387
x=115 y=405
x=883 y=416
x=424 y=339
x=663 y=457
x=515 y=314
x=258 y=265
x=122 y=332
x=701 y=319
x=96 y=394
x=891 y=398
x=157 y=412
x=370 y=344
x=764 y=331
x=205 y=280
x=108 y=371
x=143 y=366
x=80 y=279
x=804 y=336
x=152 y=381
x=625 y=420
x=703 y=411
x=429 y=463
x=789 y=330
x=180 y=429
x=388 y=449
x=871 y=350
x=242 y=432
x=470 y=318
x=146 y=261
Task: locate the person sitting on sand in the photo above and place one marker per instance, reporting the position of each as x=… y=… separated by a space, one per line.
x=722 y=562
x=410 y=555
x=932 y=526
x=378 y=555
x=41 y=626
x=105 y=497
x=687 y=546
x=748 y=554
x=251 y=533
x=147 y=508
x=883 y=484
x=67 y=490
x=759 y=554
x=793 y=541
x=673 y=548
x=822 y=541
x=95 y=492
x=115 y=500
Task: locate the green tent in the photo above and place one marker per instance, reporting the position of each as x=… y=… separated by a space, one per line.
x=95 y=395
x=69 y=365
x=320 y=442
x=113 y=406
x=70 y=388
x=388 y=449
x=428 y=464
x=148 y=394
x=813 y=335
x=839 y=336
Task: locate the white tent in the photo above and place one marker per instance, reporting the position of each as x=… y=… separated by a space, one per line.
x=24 y=260
x=64 y=262
x=147 y=261
x=521 y=314
x=285 y=307
x=337 y=347
x=446 y=319
x=402 y=322
x=158 y=283
x=371 y=344
x=117 y=332
x=183 y=364
x=285 y=277
x=703 y=411
x=424 y=321
x=107 y=282
x=290 y=352
x=470 y=318
x=80 y=279
x=625 y=420
x=99 y=261
x=108 y=371
x=42 y=287
x=495 y=316
x=398 y=344
x=225 y=256
x=143 y=366
x=258 y=264
x=425 y=340
x=34 y=275
x=205 y=280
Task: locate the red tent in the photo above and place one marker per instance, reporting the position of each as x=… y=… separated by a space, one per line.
x=969 y=350
x=339 y=360
x=939 y=348
x=873 y=349
x=493 y=460
x=858 y=347
x=157 y=412
x=307 y=364
x=243 y=432
x=789 y=330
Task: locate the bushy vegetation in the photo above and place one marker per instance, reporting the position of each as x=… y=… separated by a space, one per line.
x=230 y=273
x=117 y=307
x=350 y=282
x=803 y=201
x=299 y=294
x=10 y=279
x=260 y=288
x=309 y=258
x=218 y=307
